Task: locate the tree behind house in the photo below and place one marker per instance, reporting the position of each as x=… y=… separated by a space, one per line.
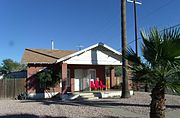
x=8 y=66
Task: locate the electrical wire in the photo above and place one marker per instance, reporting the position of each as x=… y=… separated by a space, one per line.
x=178 y=25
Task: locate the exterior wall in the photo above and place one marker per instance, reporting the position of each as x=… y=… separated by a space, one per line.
x=96 y=57
x=32 y=83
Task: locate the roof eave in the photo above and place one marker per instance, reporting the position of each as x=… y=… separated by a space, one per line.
x=40 y=63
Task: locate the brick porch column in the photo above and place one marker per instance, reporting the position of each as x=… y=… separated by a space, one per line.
x=112 y=75
x=64 y=77
x=72 y=85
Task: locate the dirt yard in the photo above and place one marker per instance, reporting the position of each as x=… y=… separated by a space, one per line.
x=109 y=108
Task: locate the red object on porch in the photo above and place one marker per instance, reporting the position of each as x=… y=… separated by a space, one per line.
x=97 y=84
x=102 y=86
x=92 y=86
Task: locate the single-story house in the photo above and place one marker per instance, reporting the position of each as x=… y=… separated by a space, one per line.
x=77 y=68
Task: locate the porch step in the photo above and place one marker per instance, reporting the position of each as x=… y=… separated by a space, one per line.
x=92 y=98
x=87 y=96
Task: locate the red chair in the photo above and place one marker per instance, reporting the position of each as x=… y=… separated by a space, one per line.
x=97 y=84
x=102 y=86
x=92 y=86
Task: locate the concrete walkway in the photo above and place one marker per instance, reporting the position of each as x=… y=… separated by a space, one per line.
x=173 y=114
x=128 y=114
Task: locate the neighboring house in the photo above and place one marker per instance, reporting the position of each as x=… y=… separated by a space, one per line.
x=18 y=74
x=15 y=75
x=77 y=68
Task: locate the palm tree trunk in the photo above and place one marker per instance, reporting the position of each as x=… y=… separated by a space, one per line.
x=157 y=106
x=125 y=90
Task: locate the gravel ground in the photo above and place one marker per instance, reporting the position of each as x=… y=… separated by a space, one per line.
x=139 y=103
x=47 y=108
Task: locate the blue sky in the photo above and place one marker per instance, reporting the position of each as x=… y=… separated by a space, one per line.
x=34 y=23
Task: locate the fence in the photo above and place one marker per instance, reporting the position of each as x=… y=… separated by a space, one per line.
x=10 y=88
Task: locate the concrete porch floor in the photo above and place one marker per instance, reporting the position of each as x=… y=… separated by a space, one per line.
x=103 y=94
x=91 y=95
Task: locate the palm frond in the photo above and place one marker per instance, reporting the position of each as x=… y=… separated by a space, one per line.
x=161 y=51
x=150 y=45
x=158 y=48
x=175 y=86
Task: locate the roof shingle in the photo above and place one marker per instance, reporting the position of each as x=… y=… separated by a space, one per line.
x=44 y=55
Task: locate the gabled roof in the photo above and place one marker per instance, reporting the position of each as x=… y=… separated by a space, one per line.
x=87 y=49
x=45 y=56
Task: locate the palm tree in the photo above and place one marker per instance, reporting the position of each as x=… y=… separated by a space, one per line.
x=160 y=66
x=125 y=90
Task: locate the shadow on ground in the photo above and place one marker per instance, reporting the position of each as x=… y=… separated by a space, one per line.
x=95 y=103
x=35 y=116
x=28 y=116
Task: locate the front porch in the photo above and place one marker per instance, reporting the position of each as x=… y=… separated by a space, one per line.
x=78 y=78
x=96 y=62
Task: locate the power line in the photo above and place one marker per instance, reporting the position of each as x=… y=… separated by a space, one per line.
x=170 y=27
x=178 y=25
x=155 y=10
x=159 y=8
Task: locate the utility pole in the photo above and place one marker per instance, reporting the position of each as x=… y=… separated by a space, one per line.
x=125 y=90
x=135 y=24
x=135 y=30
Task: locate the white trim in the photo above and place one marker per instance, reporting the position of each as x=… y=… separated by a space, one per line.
x=87 y=49
x=106 y=46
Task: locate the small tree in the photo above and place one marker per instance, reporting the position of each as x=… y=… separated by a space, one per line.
x=47 y=78
x=160 y=67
